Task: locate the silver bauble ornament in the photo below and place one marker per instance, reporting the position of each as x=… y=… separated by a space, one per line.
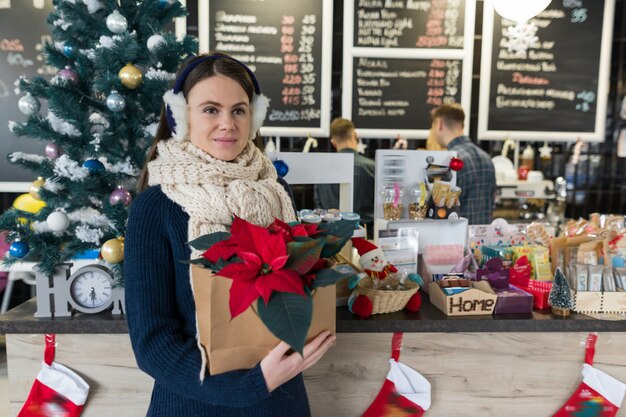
x=28 y=105
x=115 y=101
x=154 y=41
x=116 y=22
x=58 y=221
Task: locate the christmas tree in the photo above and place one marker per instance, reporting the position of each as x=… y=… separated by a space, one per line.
x=115 y=61
x=560 y=296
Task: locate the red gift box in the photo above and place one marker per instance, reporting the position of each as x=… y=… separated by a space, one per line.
x=540 y=291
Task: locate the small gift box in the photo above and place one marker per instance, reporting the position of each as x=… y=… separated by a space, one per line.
x=495 y=273
x=513 y=300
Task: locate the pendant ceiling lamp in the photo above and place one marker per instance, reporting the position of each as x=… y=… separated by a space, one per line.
x=520 y=11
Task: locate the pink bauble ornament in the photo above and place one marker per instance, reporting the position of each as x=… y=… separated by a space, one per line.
x=120 y=195
x=52 y=150
x=68 y=74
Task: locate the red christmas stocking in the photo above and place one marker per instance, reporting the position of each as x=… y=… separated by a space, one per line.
x=405 y=392
x=599 y=395
x=57 y=392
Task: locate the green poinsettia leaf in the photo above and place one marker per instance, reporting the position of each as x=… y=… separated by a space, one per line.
x=328 y=277
x=302 y=238
x=303 y=255
x=205 y=242
x=333 y=246
x=340 y=228
x=205 y=263
x=288 y=317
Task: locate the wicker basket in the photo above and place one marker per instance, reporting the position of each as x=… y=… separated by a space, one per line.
x=387 y=301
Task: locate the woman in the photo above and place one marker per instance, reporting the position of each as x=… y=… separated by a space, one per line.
x=203 y=169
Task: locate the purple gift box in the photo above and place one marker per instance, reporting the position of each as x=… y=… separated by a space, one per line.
x=495 y=273
x=513 y=300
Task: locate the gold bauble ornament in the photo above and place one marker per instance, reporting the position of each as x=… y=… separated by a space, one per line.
x=26 y=202
x=35 y=187
x=130 y=76
x=113 y=250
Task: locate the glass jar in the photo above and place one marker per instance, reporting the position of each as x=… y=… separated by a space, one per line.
x=417 y=201
x=392 y=201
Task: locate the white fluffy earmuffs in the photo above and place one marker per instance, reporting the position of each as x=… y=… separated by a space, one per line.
x=176 y=106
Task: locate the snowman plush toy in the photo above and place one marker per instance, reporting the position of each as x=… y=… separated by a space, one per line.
x=384 y=276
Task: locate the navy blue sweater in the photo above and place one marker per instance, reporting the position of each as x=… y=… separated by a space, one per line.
x=162 y=325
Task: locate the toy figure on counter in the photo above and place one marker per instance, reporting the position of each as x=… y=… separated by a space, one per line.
x=381 y=288
x=373 y=259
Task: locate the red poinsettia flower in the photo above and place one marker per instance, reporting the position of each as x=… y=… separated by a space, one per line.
x=261 y=271
x=289 y=232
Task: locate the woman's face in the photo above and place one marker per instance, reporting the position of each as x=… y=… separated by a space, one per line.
x=219 y=117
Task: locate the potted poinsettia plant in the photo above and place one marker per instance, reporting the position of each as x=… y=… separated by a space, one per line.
x=279 y=267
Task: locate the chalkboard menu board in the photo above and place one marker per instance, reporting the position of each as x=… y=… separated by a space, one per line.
x=403 y=58
x=409 y=24
x=547 y=79
x=394 y=93
x=288 y=46
x=23 y=30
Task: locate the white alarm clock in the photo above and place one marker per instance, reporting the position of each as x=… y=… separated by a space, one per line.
x=91 y=289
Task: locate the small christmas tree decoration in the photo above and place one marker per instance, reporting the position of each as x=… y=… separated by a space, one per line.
x=130 y=76
x=113 y=250
x=154 y=41
x=35 y=188
x=58 y=221
x=560 y=297
x=52 y=150
x=69 y=50
x=28 y=104
x=120 y=195
x=93 y=165
x=164 y=3
x=68 y=74
x=116 y=22
x=116 y=102
x=18 y=249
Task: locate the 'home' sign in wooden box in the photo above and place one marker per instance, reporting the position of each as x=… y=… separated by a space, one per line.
x=478 y=300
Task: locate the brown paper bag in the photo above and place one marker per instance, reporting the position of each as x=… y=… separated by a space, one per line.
x=242 y=342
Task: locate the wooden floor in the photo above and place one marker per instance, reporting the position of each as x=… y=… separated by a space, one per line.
x=472 y=374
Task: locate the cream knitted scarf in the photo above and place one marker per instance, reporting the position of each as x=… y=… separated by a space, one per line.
x=211 y=191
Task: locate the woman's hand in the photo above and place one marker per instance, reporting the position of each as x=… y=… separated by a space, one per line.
x=278 y=367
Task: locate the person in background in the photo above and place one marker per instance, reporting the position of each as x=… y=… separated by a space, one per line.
x=344 y=138
x=477 y=179
x=203 y=169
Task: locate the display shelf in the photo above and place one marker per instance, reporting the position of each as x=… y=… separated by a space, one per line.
x=429 y=319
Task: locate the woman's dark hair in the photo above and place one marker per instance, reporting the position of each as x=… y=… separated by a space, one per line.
x=221 y=65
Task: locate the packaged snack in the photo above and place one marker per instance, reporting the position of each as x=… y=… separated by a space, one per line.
x=581 y=274
x=595 y=278
x=608 y=281
x=620 y=278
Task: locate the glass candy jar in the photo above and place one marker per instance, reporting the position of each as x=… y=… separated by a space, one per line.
x=392 y=201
